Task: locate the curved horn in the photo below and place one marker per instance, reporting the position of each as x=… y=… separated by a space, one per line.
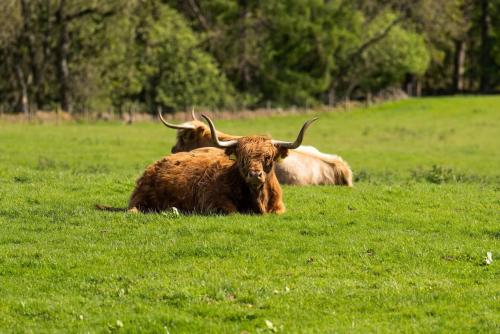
x=174 y=126
x=215 y=138
x=193 y=115
x=299 y=139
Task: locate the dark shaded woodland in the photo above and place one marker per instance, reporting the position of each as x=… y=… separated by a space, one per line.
x=77 y=55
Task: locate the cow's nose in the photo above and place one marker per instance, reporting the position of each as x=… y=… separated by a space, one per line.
x=256 y=174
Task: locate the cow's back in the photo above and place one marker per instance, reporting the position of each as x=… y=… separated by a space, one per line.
x=174 y=180
x=308 y=166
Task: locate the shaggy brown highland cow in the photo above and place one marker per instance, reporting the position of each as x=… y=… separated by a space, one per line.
x=194 y=134
x=305 y=165
x=207 y=180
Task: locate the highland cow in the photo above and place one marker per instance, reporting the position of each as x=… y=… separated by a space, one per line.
x=305 y=165
x=207 y=180
x=193 y=134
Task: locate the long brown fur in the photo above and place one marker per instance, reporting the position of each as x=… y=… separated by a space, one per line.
x=206 y=180
x=303 y=166
x=190 y=139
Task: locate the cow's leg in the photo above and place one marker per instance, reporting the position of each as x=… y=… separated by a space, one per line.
x=135 y=200
x=277 y=208
x=226 y=207
x=138 y=202
x=275 y=203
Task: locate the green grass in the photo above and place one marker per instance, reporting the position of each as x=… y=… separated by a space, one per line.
x=403 y=251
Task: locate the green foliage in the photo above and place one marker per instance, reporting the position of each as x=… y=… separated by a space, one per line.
x=299 y=55
x=163 y=65
x=441 y=23
x=392 y=254
x=495 y=51
x=402 y=52
x=440 y=174
x=94 y=55
x=186 y=75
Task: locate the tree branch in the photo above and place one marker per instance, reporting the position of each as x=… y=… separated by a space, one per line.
x=195 y=9
x=375 y=39
x=88 y=11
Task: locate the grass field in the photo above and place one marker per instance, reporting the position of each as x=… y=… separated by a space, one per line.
x=402 y=251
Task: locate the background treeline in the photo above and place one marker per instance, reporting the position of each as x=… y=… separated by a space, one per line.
x=81 y=55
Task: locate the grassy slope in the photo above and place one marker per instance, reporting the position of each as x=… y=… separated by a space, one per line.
x=396 y=253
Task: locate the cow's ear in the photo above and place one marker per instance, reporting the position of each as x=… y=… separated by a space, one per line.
x=282 y=153
x=190 y=135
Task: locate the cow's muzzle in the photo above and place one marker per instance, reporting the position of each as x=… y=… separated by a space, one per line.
x=256 y=178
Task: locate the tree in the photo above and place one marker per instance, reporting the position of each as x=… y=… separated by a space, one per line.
x=164 y=65
x=94 y=55
x=402 y=53
x=487 y=63
x=14 y=86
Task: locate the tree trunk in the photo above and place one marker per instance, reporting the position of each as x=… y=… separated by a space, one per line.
x=418 y=87
x=350 y=88
x=369 y=98
x=24 y=99
x=45 y=10
x=413 y=85
x=459 y=67
x=244 y=70
x=29 y=39
x=130 y=115
x=149 y=96
x=332 y=98
x=62 y=58
x=485 y=53
x=408 y=85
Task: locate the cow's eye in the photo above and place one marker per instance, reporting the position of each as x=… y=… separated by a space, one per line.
x=268 y=161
